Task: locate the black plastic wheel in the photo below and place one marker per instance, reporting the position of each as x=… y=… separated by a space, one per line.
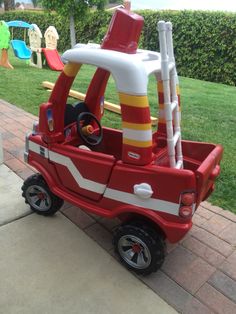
x=153 y=231
x=139 y=249
x=38 y=195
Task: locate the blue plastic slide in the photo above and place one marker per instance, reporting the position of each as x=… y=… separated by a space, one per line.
x=20 y=49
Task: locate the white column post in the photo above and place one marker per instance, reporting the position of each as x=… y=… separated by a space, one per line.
x=166 y=89
x=174 y=96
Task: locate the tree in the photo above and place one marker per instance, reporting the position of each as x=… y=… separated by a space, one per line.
x=116 y=1
x=35 y=3
x=72 y=9
x=101 y=4
x=9 y=5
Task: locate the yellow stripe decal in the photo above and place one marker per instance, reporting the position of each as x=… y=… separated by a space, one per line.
x=177 y=89
x=134 y=101
x=136 y=126
x=160 y=87
x=137 y=143
x=161 y=120
x=71 y=69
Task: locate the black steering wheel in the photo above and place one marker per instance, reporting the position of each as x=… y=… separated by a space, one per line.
x=84 y=119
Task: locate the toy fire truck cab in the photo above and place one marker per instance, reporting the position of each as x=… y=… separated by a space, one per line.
x=152 y=181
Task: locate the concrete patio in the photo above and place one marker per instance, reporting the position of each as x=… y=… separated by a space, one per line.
x=49 y=265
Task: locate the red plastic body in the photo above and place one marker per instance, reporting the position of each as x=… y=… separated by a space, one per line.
x=106 y=168
x=103 y=181
x=117 y=37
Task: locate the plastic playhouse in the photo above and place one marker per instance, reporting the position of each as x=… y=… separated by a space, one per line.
x=35 y=42
x=153 y=181
x=49 y=52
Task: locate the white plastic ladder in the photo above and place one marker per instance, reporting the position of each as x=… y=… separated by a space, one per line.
x=171 y=106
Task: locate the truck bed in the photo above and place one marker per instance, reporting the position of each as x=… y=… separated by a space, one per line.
x=201 y=158
x=204 y=159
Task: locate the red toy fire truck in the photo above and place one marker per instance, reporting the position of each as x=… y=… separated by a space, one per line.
x=152 y=181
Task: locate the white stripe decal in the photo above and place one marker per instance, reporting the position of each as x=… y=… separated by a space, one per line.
x=43 y=151
x=137 y=135
x=67 y=162
x=116 y=195
x=151 y=203
x=81 y=181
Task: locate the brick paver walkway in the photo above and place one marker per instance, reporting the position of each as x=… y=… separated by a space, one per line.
x=199 y=274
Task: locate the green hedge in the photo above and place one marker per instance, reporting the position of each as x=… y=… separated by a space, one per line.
x=204 y=42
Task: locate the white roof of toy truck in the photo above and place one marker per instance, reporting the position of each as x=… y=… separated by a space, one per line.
x=130 y=71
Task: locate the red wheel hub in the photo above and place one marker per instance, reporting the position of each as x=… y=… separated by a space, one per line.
x=41 y=196
x=136 y=248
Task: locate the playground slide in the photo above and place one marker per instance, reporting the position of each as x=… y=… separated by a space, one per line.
x=53 y=59
x=20 y=49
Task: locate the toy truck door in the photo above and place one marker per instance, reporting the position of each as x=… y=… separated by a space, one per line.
x=83 y=172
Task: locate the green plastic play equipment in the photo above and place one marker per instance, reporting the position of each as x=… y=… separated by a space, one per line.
x=4 y=35
x=4 y=45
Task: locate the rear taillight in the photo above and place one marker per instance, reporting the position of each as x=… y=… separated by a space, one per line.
x=187 y=201
x=185 y=211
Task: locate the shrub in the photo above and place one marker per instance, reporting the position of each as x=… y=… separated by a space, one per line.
x=204 y=42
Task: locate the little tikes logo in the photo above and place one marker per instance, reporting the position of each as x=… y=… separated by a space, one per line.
x=134 y=155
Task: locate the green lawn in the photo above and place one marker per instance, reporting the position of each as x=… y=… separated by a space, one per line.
x=208 y=113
